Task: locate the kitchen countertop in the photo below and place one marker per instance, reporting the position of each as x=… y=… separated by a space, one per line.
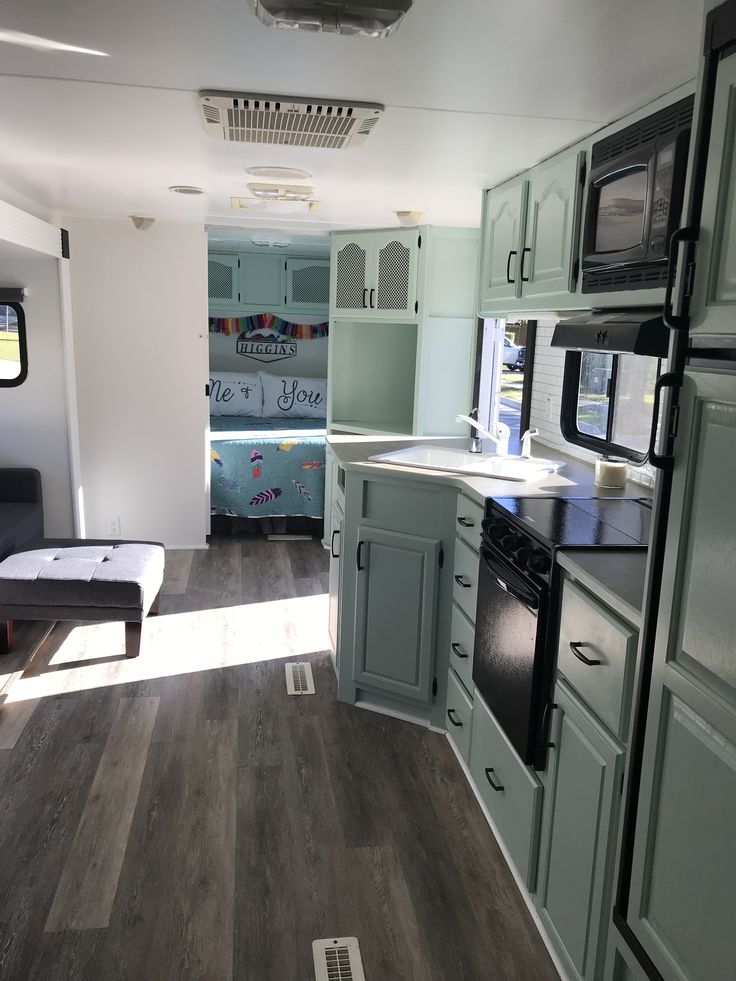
x=615 y=576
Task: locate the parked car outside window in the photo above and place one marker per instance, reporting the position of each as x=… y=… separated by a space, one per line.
x=513 y=356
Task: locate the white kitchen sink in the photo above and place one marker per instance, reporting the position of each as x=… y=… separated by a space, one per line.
x=453 y=460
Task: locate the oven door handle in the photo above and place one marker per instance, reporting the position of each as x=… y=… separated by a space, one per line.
x=528 y=599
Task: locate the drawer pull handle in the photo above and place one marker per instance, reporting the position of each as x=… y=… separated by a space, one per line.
x=333 y=553
x=496 y=786
x=458 y=650
x=575 y=648
x=466 y=522
x=462 y=581
x=358 y=557
x=450 y=713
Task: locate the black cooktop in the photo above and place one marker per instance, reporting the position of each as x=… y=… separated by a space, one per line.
x=570 y=522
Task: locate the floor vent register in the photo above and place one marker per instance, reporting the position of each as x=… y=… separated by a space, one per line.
x=299 y=680
x=337 y=959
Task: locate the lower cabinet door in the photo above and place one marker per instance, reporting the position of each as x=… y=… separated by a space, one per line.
x=335 y=546
x=508 y=788
x=459 y=715
x=396 y=612
x=574 y=888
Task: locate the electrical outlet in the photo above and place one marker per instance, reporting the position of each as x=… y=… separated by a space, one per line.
x=115 y=527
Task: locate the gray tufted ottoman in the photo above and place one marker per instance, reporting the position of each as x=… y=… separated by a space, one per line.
x=83 y=580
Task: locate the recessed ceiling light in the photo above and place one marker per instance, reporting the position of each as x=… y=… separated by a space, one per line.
x=279 y=173
x=409 y=218
x=186 y=189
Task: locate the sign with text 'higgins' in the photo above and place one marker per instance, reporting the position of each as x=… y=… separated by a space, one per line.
x=265 y=345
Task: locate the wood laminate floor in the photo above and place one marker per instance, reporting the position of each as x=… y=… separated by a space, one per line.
x=180 y=818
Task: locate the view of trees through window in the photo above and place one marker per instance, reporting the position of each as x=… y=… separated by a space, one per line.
x=616 y=398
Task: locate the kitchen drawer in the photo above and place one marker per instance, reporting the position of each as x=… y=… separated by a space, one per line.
x=516 y=806
x=596 y=634
x=459 y=717
x=468 y=520
x=465 y=578
x=462 y=642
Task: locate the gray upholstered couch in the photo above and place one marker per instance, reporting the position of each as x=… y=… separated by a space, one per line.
x=21 y=508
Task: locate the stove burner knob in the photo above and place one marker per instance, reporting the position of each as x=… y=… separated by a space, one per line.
x=540 y=562
x=496 y=530
x=510 y=542
x=523 y=556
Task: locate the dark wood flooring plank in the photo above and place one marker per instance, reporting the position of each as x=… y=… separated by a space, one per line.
x=87 y=888
x=266 y=571
x=14 y=716
x=177 y=571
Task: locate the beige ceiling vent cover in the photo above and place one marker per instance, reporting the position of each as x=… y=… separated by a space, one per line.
x=244 y=117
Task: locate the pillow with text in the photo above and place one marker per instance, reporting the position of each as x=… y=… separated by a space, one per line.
x=235 y=394
x=294 y=397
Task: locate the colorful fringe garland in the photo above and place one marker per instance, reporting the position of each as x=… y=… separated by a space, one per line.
x=266 y=322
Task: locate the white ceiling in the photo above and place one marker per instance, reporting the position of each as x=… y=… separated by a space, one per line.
x=475 y=90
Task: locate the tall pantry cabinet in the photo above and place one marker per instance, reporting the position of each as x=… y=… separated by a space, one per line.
x=403 y=330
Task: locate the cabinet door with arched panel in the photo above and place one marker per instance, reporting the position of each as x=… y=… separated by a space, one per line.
x=351 y=275
x=394 y=291
x=503 y=232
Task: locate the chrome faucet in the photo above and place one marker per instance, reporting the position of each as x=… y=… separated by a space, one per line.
x=499 y=439
x=526 y=443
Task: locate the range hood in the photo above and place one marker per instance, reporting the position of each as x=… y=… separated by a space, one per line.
x=615 y=332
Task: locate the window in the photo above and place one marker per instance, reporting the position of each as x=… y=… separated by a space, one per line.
x=13 y=353
x=504 y=376
x=607 y=402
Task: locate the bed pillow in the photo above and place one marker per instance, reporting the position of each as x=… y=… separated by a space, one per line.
x=235 y=394
x=289 y=396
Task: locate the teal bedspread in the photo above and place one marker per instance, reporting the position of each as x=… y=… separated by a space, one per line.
x=267 y=467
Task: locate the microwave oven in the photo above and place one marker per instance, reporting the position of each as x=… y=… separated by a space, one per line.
x=635 y=192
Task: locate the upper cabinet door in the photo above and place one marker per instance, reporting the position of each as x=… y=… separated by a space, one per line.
x=222 y=275
x=261 y=282
x=350 y=284
x=713 y=309
x=547 y=265
x=393 y=292
x=308 y=284
x=503 y=230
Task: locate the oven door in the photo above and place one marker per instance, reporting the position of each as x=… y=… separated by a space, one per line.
x=508 y=661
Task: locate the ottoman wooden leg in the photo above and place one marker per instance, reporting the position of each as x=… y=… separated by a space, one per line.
x=133 y=639
x=156 y=605
x=6 y=636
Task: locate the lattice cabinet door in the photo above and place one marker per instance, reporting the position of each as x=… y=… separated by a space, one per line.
x=308 y=284
x=351 y=278
x=222 y=273
x=394 y=290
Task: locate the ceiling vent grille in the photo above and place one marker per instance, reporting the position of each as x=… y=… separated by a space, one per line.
x=287 y=120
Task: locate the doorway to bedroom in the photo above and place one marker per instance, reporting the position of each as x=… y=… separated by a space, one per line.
x=268 y=341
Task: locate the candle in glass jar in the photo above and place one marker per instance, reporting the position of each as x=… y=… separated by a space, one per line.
x=610 y=473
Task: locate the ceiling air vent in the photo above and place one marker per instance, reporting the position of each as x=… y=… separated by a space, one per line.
x=242 y=117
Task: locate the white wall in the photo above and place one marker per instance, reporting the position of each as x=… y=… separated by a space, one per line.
x=34 y=426
x=139 y=304
x=549 y=363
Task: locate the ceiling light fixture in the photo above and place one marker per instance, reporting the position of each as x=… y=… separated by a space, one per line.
x=409 y=218
x=279 y=173
x=362 y=18
x=186 y=189
x=281 y=192
x=309 y=207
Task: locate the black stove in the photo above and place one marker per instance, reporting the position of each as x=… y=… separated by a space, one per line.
x=518 y=599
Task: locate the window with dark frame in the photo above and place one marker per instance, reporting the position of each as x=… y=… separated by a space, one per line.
x=608 y=402
x=511 y=391
x=13 y=348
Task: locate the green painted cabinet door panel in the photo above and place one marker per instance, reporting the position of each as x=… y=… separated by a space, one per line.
x=552 y=220
x=713 y=310
x=222 y=278
x=335 y=546
x=393 y=291
x=578 y=836
x=503 y=232
x=350 y=276
x=396 y=611
x=682 y=905
x=308 y=284
x=261 y=281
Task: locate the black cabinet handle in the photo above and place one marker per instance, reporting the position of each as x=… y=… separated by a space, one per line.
x=548 y=708
x=663 y=461
x=524 y=279
x=496 y=786
x=466 y=522
x=456 y=648
x=508 y=266
x=357 y=557
x=370 y=301
x=688 y=234
x=365 y=297
x=450 y=713
x=575 y=648
x=332 y=544
x=462 y=582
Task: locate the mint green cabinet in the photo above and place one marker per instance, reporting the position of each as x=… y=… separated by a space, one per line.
x=582 y=797
x=548 y=263
x=335 y=546
x=713 y=309
x=223 y=287
x=375 y=274
x=682 y=906
x=307 y=284
x=395 y=612
x=504 y=212
x=261 y=281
